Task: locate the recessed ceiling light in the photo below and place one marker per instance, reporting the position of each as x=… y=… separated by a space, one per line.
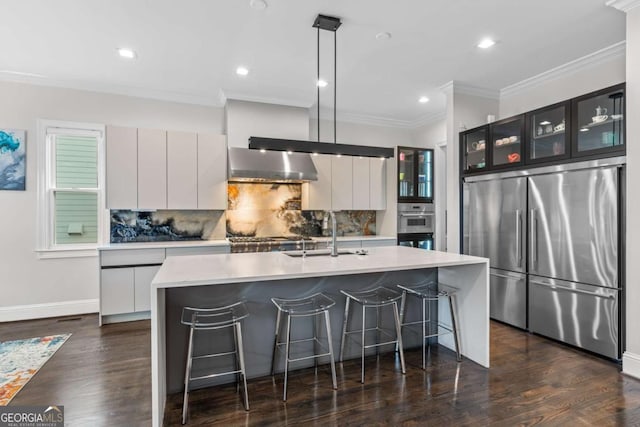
x=486 y=43
x=338 y=155
x=546 y=122
x=383 y=36
x=242 y=71
x=423 y=100
x=262 y=150
x=289 y=152
x=584 y=130
x=315 y=154
x=322 y=83
x=258 y=4
x=125 y=52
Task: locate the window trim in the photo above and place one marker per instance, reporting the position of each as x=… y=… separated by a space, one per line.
x=45 y=245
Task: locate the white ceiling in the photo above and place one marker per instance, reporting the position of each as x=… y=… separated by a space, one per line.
x=188 y=50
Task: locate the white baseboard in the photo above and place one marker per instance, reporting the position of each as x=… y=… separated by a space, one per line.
x=631 y=364
x=54 y=309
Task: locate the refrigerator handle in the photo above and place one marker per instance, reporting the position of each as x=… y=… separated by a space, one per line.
x=518 y=236
x=577 y=291
x=534 y=240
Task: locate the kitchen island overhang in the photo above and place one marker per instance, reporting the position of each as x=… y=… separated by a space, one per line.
x=210 y=280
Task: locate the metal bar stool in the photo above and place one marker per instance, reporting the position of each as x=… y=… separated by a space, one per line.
x=373 y=298
x=311 y=306
x=207 y=319
x=428 y=293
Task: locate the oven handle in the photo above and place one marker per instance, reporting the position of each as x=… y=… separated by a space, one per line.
x=416 y=215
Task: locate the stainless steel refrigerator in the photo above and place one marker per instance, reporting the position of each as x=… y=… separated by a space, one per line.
x=553 y=238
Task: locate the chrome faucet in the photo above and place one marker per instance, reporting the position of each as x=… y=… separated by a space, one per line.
x=334 y=233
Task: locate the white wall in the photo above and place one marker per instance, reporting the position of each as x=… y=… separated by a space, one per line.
x=583 y=80
x=631 y=358
x=378 y=136
x=25 y=279
x=245 y=119
x=463 y=112
x=434 y=135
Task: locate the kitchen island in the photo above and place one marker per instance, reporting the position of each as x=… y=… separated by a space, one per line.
x=214 y=280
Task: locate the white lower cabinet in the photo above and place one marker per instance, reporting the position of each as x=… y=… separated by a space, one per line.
x=126 y=289
x=143 y=276
x=117 y=291
x=126 y=276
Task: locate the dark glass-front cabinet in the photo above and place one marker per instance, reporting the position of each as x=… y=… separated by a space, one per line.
x=598 y=122
x=420 y=241
x=507 y=142
x=547 y=133
x=415 y=175
x=474 y=150
x=587 y=127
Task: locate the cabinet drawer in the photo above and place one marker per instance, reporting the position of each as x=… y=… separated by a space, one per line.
x=200 y=250
x=350 y=244
x=116 y=291
x=131 y=257
x=379 y=242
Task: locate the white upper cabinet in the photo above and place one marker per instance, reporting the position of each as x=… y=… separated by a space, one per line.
x=316 y=195
x=346 y=183
x=152 y=169
x=122 y=167
x=377 y=184
x=360 y=183
x=157 y=169
x=342 y=183
x=182 y=170
x=212 y=172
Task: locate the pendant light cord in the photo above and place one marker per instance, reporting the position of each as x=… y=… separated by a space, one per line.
x=318 y=82
x=335 y=83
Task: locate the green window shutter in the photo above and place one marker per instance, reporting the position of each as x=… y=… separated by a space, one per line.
x=76 y=217
x=76 y=162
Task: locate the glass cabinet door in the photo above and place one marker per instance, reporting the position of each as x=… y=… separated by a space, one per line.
x=406 y=184
x=425 y=174
x=599 y=122
x=506 y=142
x=474 y=150
x=548 y=131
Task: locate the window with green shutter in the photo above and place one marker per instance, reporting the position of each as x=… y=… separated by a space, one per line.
x=74 y=187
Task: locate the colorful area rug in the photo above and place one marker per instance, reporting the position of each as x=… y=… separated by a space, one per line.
x=20 y=360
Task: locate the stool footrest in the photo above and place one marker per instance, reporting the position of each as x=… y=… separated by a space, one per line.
x=220 y=374
x=359 y=331
x=207 y=356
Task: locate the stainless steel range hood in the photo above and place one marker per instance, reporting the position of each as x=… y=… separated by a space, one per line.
x=270 y=166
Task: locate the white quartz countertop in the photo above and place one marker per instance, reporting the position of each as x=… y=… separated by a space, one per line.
x=352 y=238
x=198 y=270
x=174 y=244
x=220 y=242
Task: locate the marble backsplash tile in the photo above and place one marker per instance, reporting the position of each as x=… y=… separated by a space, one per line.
x=254 y=209
x=274 y=209
x=166 y=225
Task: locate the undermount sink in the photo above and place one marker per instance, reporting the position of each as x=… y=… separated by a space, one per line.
x=322 y=252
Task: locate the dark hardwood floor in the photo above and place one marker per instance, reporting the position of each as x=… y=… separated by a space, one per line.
x=102 y=377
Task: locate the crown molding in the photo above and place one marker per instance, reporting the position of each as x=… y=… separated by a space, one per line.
x=111 y=89
x=429 y=119
x=624 y=5
x=467 y=89
x=595 y=58
x=225 y=95
x=363 y=119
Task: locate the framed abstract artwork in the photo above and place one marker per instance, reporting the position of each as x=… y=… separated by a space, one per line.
x=12 y=159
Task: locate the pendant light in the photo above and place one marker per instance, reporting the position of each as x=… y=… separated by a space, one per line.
x=326 y=23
